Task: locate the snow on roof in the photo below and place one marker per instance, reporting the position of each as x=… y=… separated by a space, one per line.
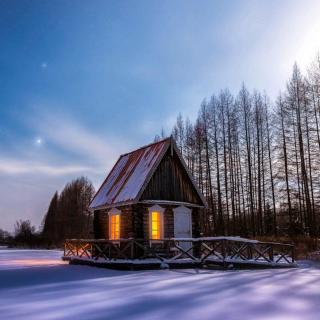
x=129 y=174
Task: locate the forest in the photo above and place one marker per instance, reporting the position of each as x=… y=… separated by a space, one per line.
x=256 y=161
x=67 y=217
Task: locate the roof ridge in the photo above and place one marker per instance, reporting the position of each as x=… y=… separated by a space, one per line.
x=146 y=146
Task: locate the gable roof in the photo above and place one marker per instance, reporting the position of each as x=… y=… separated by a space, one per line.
x=131 y=173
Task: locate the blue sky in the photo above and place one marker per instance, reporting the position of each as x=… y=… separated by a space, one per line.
x=83 y=81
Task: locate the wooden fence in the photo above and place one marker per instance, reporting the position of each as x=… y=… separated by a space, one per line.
x=213 y=250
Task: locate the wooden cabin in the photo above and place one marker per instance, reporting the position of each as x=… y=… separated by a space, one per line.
x=146 y=215
x=149 y=194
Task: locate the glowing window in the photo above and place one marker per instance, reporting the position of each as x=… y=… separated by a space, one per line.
x=114 y=220
x=155 y=225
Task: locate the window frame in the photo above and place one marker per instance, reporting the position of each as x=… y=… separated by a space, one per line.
x=156 y=208
x=111 y=213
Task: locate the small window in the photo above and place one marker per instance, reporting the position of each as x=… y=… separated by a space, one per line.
x=155 y=225
x=114 y=220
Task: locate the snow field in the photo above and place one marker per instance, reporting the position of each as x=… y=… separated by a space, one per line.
x=36 y=284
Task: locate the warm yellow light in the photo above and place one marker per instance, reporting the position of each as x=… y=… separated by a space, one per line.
x=115 y=227
x=155 y=225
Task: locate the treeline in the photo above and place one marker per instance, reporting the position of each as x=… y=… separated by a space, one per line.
x=5 y=237
x=257 y=162
x=67 y=217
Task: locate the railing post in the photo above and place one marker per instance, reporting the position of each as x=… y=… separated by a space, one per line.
x=223 y=252
x=271 y=256
x=131 y=249
x=93 y=253
x=167 y=248
x=250 y=255
x=293 y=254
x=195 y=248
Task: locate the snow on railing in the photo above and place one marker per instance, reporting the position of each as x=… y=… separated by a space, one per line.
x=204 y=250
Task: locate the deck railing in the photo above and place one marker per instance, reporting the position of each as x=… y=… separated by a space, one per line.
x=215 y=250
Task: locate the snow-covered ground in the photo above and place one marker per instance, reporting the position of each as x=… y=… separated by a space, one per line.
x=36 y=284
x=17 y=259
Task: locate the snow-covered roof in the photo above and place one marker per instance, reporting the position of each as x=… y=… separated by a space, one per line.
x=129 y=175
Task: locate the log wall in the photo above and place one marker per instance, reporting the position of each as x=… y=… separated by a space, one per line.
x=101 y=223
x=134 y=222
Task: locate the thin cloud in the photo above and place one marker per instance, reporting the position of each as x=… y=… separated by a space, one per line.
x=15 y=167
x=73 y=137
x=34 y=171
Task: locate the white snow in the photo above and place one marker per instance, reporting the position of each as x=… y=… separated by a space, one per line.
x=17 y=259
x=35 y=285
x=217 y=238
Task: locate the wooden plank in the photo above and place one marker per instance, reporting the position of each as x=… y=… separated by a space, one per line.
x=171 y=250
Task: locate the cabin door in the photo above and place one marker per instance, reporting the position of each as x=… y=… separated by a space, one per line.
x=183 y=226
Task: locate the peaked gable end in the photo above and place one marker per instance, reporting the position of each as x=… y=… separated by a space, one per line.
x=171 y=181
x=154 y=172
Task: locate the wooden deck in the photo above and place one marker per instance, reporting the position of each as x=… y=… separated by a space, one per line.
x=174 y=253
